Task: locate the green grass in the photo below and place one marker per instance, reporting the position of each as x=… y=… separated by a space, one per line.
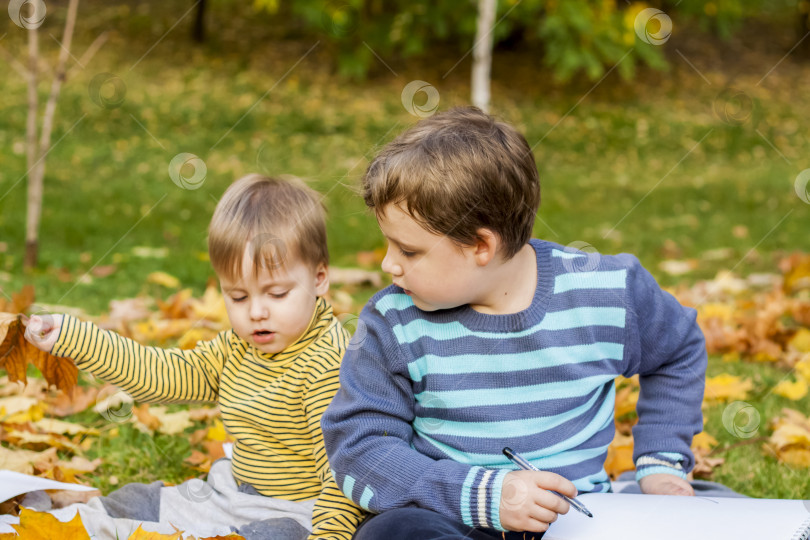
x=749 y=468
x=648 y=161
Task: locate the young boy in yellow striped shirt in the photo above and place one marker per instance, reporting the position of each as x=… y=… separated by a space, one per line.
x=272 y=374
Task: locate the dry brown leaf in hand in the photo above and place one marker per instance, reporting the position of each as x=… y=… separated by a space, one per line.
x=16 y=353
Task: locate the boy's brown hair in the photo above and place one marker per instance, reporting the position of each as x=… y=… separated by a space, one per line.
x=457 y=172
x=280 y=219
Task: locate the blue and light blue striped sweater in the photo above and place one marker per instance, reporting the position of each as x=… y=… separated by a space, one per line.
x=428 y=400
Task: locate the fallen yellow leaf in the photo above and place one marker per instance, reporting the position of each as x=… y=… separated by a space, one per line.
x=141 y=534
x=703 y=441
x=619 y=456
x=26 y=461
x=43 y=526
x=802 y=368
x=726 y=387
x=52 y=425
x=801 y=340
x=162 y=278
x=790 y=441
x=792 y=390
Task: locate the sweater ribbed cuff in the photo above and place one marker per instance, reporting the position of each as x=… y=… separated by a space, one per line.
x=660 y=462
x=67 y=333
x=481 y=498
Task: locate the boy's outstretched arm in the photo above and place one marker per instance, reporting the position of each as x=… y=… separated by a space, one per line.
x=368 y=434
x=148 y=374
x=666 y=347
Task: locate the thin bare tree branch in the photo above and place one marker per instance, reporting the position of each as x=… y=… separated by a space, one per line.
x=89 y=53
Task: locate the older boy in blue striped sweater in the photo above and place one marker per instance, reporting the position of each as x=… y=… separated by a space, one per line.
x=489 y=339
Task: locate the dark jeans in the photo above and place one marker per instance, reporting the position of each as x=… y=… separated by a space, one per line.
x=421 y=524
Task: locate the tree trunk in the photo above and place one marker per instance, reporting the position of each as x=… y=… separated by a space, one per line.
x=482 y=54
x=37 y=152
x=34 y=188
x=198 y=30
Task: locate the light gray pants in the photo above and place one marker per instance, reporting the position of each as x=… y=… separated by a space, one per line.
x=215 y=506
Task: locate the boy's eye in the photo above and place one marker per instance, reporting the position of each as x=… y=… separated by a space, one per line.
x=407 y=253
x=279 y=295
x=240 y=299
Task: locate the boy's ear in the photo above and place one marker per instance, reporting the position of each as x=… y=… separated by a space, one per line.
x=321 y=279
x=486 y=246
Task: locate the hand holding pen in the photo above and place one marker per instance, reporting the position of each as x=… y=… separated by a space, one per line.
x=521 y=462
x=526 y=502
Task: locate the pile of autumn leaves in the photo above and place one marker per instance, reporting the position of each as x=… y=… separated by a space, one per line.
x=761 y=318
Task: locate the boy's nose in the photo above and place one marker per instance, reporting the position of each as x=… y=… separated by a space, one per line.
x=389 y=266
x=257 y=311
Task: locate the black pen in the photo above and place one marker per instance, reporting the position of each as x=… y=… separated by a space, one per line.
x=518 y=460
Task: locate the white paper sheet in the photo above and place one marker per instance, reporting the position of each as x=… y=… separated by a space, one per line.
x=643 y=517
x=14 y=483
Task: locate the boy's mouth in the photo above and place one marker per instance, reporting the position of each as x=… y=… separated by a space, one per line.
x=263 y=336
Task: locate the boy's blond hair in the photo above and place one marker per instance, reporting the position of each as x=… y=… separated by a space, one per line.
x=279 y=219
x=457 y=172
